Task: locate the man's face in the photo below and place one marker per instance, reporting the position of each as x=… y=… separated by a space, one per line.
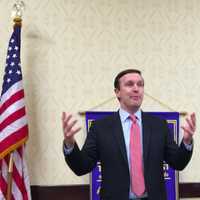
x=130 y=92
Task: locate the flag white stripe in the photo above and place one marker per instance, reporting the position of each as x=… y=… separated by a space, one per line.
x=11 y=109
x=8 y=130
x=16 y=192
x=12 y=90
x=25 y=175
x=1 y=195
x=18 y=162
x=4 y=169
x=26 y=180
x=20 y=166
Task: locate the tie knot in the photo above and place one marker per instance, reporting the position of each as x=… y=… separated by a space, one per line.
x=133 y=118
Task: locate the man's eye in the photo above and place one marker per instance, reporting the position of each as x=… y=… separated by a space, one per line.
x=129 y=84
x=140 y=84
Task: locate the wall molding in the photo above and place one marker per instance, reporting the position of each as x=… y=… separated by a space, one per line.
x=61 y=192
x=189 y=190
x=82 y=192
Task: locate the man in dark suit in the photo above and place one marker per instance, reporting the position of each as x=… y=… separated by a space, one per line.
x=128 y=173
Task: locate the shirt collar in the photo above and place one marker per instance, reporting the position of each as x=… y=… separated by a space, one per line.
x=124 y=115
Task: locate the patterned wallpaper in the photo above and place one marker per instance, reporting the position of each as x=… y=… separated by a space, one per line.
x=71 y=52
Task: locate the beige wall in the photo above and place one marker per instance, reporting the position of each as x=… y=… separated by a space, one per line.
x=71 y=51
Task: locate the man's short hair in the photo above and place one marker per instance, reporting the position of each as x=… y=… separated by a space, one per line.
x=122 y=73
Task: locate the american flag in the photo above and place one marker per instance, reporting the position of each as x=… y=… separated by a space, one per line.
x=13 y=124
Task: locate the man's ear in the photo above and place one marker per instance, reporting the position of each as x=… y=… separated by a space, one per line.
x=117 y=91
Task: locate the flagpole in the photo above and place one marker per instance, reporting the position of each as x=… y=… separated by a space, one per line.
x=10 y=171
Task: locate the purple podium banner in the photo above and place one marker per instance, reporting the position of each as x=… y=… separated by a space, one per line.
x=170 y=175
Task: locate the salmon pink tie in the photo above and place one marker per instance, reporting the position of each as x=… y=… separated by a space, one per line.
x=136 y=167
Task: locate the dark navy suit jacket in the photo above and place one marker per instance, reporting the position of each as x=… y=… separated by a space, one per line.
x=105 y=143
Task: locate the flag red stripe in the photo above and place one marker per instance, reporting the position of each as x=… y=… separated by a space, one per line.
x=13 y=117
x=3 y=185
x=19 y=180
x=20 y=150
x=6 y=159
x=3 y=182
x=12 y=99
x=13 y=138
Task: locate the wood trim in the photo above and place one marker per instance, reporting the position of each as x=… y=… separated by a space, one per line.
x=189 y=190
x=75 y=192
x=82 y=192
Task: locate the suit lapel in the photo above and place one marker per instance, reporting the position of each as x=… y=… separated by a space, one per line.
x=118 y=134
x=146 y=136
